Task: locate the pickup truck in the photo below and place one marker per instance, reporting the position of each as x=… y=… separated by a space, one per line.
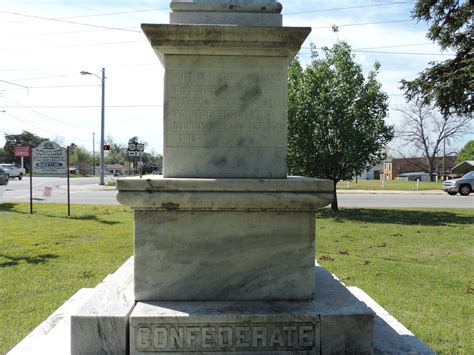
x=463 y=185
x=13 y=171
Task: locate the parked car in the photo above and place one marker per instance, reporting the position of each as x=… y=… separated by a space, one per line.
x=13 y=171
x=3 y=176
x=463 y=185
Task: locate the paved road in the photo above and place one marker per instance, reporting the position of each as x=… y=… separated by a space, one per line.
x=83 y=190
x=87 y=191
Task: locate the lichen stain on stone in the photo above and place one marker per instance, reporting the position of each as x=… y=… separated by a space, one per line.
x=221 y=88
x=170 y=205
x=251 y=95
x=219 y=161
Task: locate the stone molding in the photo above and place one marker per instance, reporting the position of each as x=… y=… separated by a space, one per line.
x=225 y=40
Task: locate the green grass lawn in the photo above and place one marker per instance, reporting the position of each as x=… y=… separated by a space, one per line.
x=418 y=264
x=389 y=185
x=46 y=257
x=415 y=263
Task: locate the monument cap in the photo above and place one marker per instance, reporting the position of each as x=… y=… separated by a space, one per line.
x=249 y=13
x=227 y=5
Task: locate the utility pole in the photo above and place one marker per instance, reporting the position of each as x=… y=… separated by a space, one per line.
x=444 y=156
x=102 y=124
x=93 y=152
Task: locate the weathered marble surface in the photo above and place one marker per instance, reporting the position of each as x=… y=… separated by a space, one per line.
x=293 y=194
x=260 y=6
x=390 y=336
x=334 y=321
x=52 y=336
x=232 y=12
x=225 y=104
x=291 y=184
x=223 y=255
x=99 y=326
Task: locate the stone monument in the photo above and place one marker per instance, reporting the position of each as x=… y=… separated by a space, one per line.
x=224 y=242
x=225 y=236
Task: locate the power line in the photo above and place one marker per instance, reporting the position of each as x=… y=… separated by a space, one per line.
x=360 y=24
x=29 y=124
x=65 y=21
x=76 y=45
x=349 y=7
x=93 y=15
x=404 y=53
x=72 y=32
x=79 y=106
x=43 y=115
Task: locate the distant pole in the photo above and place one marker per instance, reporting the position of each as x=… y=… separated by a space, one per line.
x=68 y=183
x=93 y=152
x=31 y=182
x=102 y=126
x=444 y=156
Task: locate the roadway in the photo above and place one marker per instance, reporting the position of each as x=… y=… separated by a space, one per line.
x=87 y=191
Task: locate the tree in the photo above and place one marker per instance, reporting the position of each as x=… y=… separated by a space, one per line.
x=80 y=157
x=117 y=153
x=19 y=140
x=466 y=153
x=424 y=128
x=447 y=84
x=336 y=124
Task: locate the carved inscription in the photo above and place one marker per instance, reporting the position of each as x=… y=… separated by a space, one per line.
x=228 y=337
x=203 y=105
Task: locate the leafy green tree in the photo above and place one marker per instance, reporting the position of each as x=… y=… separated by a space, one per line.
x=336 y=124
x=81 y=158
x=20 y=140
x=466 y=153
x=447 y=84
x=117 y=153
x=2 y=154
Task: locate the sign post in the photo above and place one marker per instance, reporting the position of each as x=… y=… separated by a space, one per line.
x=49 y=159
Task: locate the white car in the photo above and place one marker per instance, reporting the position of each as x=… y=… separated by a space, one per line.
x=463 y=185
x=13 y=171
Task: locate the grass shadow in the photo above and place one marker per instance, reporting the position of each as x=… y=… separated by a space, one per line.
x=10 y=207
x=91 y=217
x=35 y=260
x=399 y=216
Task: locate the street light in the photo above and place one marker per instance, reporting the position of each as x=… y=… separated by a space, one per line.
x=102 y=124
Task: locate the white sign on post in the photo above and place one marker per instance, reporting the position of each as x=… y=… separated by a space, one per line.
x=49 y=159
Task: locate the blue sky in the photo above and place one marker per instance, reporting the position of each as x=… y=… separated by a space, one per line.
x=45 y=44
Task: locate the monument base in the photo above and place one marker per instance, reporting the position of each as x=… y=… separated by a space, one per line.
x=224 y=239
x=341 y=319
x=333 y=322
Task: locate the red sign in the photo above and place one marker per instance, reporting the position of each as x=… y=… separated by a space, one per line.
x=22 y=151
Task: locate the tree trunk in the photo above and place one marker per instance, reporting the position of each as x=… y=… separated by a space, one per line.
x=334 y=205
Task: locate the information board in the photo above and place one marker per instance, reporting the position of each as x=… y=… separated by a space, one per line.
x=49 y=159
x=22 y=152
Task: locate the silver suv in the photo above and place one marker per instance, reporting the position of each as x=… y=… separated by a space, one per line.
x=463 y=185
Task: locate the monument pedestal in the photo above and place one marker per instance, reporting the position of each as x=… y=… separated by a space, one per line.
x=224 y=239
x=333 y=321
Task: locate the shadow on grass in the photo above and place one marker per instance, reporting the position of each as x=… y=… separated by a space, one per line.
x=91 y=217
x=12 y=207
x=398 y=216
x=38 y=259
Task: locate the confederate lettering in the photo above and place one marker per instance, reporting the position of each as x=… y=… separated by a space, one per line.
x=233 y=337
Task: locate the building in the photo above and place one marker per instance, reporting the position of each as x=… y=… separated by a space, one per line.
x=399 y=167
x=463 y=168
